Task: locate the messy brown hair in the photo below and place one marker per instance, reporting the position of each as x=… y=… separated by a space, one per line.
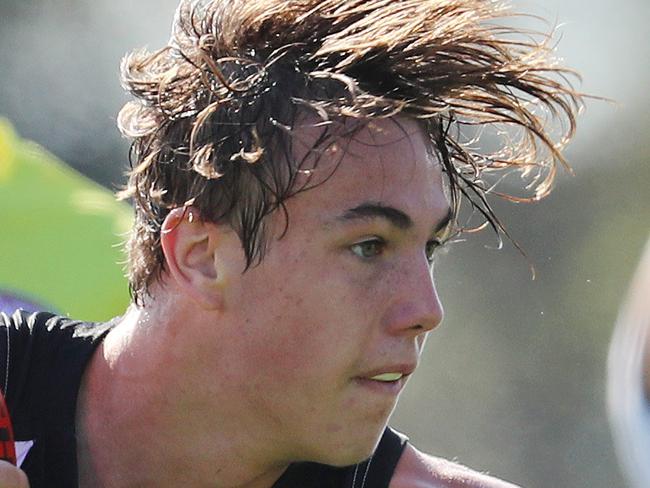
x=213 y=111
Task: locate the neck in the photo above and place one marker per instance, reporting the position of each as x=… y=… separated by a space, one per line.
x=141 y=420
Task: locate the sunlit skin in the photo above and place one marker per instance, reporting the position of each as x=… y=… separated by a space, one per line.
x=346 y=294
x=226 y=377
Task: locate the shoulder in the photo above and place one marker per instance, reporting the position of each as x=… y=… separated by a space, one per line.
x=41 y=351
x=420 y=470
x=25 y=322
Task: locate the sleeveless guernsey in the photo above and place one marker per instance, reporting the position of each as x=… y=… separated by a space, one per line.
x=42 y=359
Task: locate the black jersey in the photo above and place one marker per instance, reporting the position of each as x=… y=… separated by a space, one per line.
x=42 y=360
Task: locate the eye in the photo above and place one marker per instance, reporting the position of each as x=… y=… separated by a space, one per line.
x=369 y=248
x=431 y=248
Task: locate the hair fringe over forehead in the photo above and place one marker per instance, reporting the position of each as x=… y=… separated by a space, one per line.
x=213 y=111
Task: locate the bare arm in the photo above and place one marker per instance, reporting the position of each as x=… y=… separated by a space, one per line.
x=419 y=470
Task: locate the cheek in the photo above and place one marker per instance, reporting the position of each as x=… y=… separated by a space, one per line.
x=308 y=322
x=285 y=333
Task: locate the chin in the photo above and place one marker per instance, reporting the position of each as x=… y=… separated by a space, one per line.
x=355 y=448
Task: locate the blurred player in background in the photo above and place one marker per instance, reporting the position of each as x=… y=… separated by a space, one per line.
x=629 y=379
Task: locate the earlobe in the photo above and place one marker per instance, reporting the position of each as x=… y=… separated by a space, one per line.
x=189 y=244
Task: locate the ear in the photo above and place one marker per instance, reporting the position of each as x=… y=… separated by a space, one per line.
x=189 y=245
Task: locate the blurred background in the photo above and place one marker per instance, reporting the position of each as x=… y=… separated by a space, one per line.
x=513 y=381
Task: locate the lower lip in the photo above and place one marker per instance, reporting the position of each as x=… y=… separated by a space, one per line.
x=391 y=388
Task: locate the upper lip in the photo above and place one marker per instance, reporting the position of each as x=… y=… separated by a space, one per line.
x=404 y=368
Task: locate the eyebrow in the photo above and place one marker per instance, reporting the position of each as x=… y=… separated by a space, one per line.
x=396 y=217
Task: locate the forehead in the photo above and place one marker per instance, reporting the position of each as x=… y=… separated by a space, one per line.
x=386 y=160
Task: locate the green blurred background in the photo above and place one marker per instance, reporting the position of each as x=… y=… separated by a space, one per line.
x=62 y=234
x=513 y=381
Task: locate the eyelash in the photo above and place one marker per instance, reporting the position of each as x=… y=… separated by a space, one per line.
x=377 y=246
x=374 y=242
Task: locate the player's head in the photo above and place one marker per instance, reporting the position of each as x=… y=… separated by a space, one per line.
x=317 y=145
x=215 y=111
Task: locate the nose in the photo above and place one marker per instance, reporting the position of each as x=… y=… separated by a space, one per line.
x=415 y=307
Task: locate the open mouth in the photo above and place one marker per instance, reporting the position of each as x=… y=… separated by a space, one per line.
x=387 y=377
x=385 y=383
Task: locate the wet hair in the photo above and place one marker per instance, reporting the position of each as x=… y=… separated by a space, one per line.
x=212 y=116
